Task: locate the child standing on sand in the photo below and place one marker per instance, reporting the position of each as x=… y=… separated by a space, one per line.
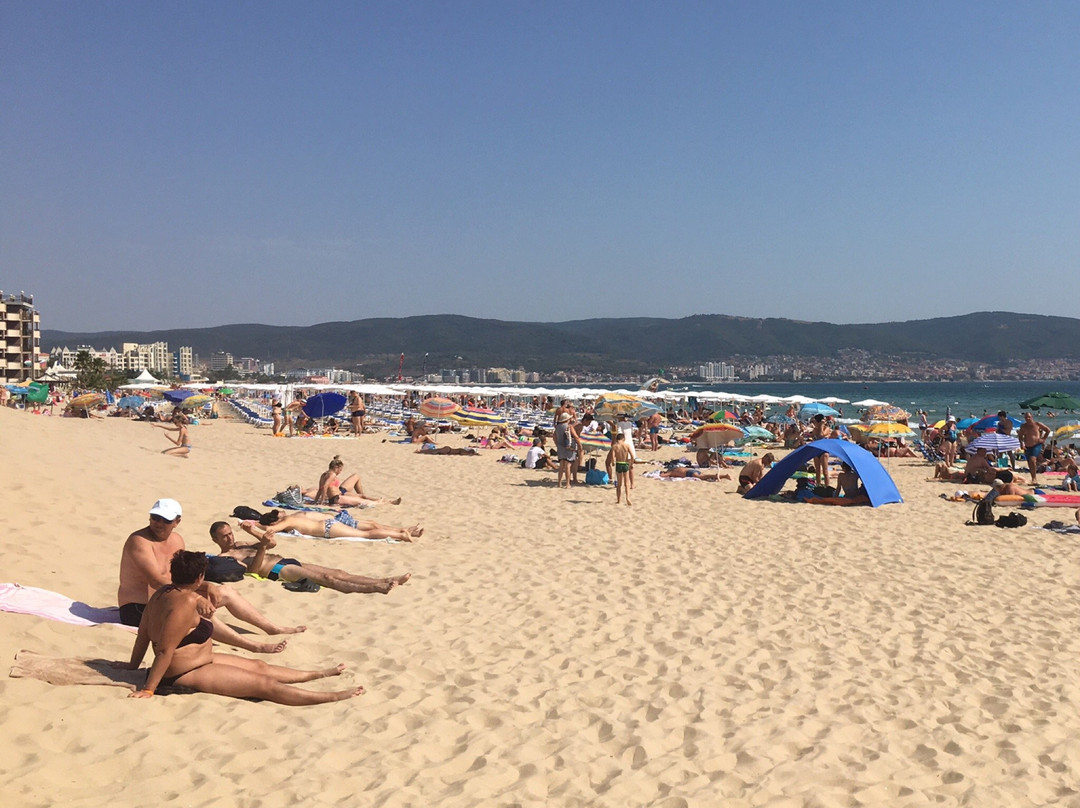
x=622 y=459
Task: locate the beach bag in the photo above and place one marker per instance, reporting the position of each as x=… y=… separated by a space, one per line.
x=983 y=513
x=1011 y=519
x=223 y=569
x=244 y=513
x=596 y=477
x=291 y=496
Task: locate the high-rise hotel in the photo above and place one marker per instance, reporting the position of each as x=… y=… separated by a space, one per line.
x=20 y=336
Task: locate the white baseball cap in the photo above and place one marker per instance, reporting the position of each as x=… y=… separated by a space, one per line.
x=168 y=509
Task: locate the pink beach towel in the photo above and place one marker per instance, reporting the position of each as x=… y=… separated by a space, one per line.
x=54 y=606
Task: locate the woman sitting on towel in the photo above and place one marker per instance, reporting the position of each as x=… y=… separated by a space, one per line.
x=332 y=491
x=338 y=526
x=183 y=653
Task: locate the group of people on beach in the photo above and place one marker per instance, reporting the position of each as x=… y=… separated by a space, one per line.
x=165 y=592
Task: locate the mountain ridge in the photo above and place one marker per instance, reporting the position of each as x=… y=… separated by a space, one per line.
x=614 y=344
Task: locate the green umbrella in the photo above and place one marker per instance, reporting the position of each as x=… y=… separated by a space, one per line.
x=1058 y=401
x=226 y=391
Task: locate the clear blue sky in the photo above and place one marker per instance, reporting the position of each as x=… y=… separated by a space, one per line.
x=182 y=164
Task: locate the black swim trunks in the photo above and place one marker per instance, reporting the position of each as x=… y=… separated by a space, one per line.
x=131 y=614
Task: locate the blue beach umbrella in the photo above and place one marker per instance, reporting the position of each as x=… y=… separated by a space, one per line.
x=966 y=423
x=808 y=411
x=178 y=396
x=990 y=422
x=994 y=442
x=324 y=404
x=131 y=402
x=780 y=418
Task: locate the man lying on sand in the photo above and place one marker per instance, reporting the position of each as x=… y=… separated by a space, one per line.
x=144 y=568
x=257 y=560
x=339 y=526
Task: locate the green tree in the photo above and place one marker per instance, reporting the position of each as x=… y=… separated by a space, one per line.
x=90 y=371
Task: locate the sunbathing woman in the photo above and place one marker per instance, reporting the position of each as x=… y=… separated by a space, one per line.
x=183 y=652
x=332 y=491
x=339 y=526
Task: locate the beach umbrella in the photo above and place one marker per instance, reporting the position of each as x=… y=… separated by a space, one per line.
x=870 y=402
x=85 y=401
x=477 y=416
x=966 y=423
x=436 y=407
x=321 y=405
x=808 y=411
x=885 y=412
x=755 y=433
x=994 y=442
x=780 y=418
x=711 y=436
x=609 y=406
x=1067 y=431
x=194 y=401
x=595 y=442
x=888 y=430
x=723 y=415
x=1057 y=401
x=131 y=402
x=178 y=396
x=988 y=424
x=37 y=393
x=226 y=391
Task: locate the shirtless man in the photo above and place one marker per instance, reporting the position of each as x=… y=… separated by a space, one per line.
x=753 y=471
x=255 y=558
x=819 y=430
x=144 y=567
x=1032 y=434
x=978 y=468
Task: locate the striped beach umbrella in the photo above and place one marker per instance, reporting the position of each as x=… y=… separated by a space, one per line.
x=994 y=442
x=191 y=402
x=595 y=442
x=436 y=407
x=476 y=416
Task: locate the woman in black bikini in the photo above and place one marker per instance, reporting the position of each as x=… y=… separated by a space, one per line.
x=183 y=655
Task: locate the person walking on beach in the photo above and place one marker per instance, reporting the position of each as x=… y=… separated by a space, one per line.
x=619 y=462
x=567 y=446
x=1032 y=434
x=144 y=568
x=357 y=412
x=257 y=560
x=819 y=430
x=182 y=441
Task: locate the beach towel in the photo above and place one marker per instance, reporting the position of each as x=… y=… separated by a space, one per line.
x=20 y=599
x=80 y=671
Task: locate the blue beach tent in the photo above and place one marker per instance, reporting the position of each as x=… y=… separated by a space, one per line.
x=879 y=485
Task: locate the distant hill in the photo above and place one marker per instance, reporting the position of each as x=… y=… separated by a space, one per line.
x=618 y=345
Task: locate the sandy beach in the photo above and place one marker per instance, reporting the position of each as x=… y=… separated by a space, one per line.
x=552 y=648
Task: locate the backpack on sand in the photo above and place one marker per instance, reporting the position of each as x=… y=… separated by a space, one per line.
x=983 y=513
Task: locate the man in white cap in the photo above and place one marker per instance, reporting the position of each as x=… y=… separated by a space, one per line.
x=144 y=567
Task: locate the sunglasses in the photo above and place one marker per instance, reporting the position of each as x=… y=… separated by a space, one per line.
x=155 y=518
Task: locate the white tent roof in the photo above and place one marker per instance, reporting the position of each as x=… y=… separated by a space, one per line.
x=145 y=377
